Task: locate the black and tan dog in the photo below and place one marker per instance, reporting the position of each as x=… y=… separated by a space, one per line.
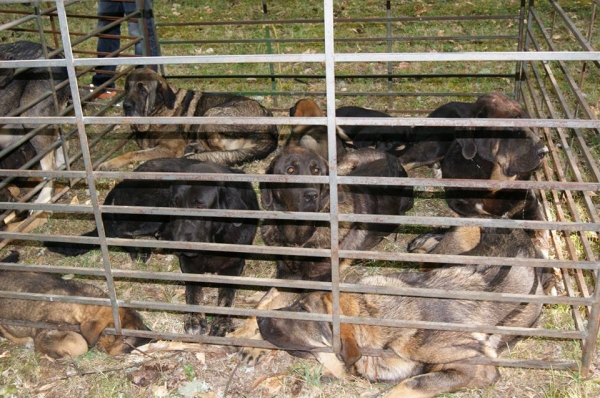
x=426 y=362
x=91 y=319
x=149 y=94
x=495 y=154
x=313 y=137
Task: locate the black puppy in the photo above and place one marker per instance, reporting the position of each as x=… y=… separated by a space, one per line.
x=236 y=231
x=133 y=193
x=393 y=139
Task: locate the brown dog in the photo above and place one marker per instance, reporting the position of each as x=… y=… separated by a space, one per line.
x=313 y=137
x=91 y=319
x=149 y=94
x=426 y=362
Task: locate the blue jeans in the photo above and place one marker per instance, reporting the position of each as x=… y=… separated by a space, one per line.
x=119 y=9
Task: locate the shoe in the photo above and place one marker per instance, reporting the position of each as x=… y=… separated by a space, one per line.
x=108 y=94
x=105 y=94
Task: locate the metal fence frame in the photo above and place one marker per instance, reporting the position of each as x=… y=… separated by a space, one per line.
x=534 y=62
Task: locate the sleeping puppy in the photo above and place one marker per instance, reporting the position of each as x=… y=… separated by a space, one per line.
x=313 y=137
x=393 y=139
x=424 y=362
x=91 y=319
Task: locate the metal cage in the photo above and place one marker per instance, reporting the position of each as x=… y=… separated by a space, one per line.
x=405 y=64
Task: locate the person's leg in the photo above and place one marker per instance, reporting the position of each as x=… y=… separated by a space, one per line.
x=105 y=45
x=135 y=29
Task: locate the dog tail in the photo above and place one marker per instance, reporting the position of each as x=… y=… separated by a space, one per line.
x=72 y=249
x=13 y=257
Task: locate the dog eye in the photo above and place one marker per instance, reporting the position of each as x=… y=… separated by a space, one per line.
x=316 y=170
x=140 y=87
x=290 y=170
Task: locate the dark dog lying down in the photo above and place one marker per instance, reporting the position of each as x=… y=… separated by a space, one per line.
x=91 y=319
x=499 y=154
x=431 y=144
x=219 y=196
x=393 y=139
x=145 y=193
x=427 y=362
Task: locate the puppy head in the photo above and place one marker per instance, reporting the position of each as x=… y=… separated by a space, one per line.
x=146 y=92
x=295 y=160
x=298 y=336
x=513 y=151
x=92 y=329
x=306 y=108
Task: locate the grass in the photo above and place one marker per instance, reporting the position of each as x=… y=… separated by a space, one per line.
x=170 y=374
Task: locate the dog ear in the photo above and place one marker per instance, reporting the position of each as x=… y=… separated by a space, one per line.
x=231 y=198
x=350 y=351
x=165 y=92
x=266 y=196
x=468 y=145
x=91 y=329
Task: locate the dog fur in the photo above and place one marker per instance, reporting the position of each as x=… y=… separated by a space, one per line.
x=91 y=319
x=313 y=137
x=18 y=90
x=425 y=362
x=357 y=199
x=149 y=94
x=236 y=231
x=146 y=193
x=499 y=154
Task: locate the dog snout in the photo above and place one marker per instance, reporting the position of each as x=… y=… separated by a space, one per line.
x=310 y=195
x=543 y=151
x=127 y=106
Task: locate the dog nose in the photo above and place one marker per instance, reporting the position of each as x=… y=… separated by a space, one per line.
x=543 y=151
x=127 y=106
x=310 y=195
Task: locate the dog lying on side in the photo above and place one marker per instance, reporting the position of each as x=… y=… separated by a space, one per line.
x=146 y=193
x=19 y=90
x=235 y=231
x=393 y=139
x=91 y=319
x=149 y=94
x=426 y=362
x=313 y=137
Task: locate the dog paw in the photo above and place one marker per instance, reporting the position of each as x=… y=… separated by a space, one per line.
x=105 y=166
x=195 y=324
x=191 y=149
x=220 y=326
x=425 y=243
x=252 y=356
